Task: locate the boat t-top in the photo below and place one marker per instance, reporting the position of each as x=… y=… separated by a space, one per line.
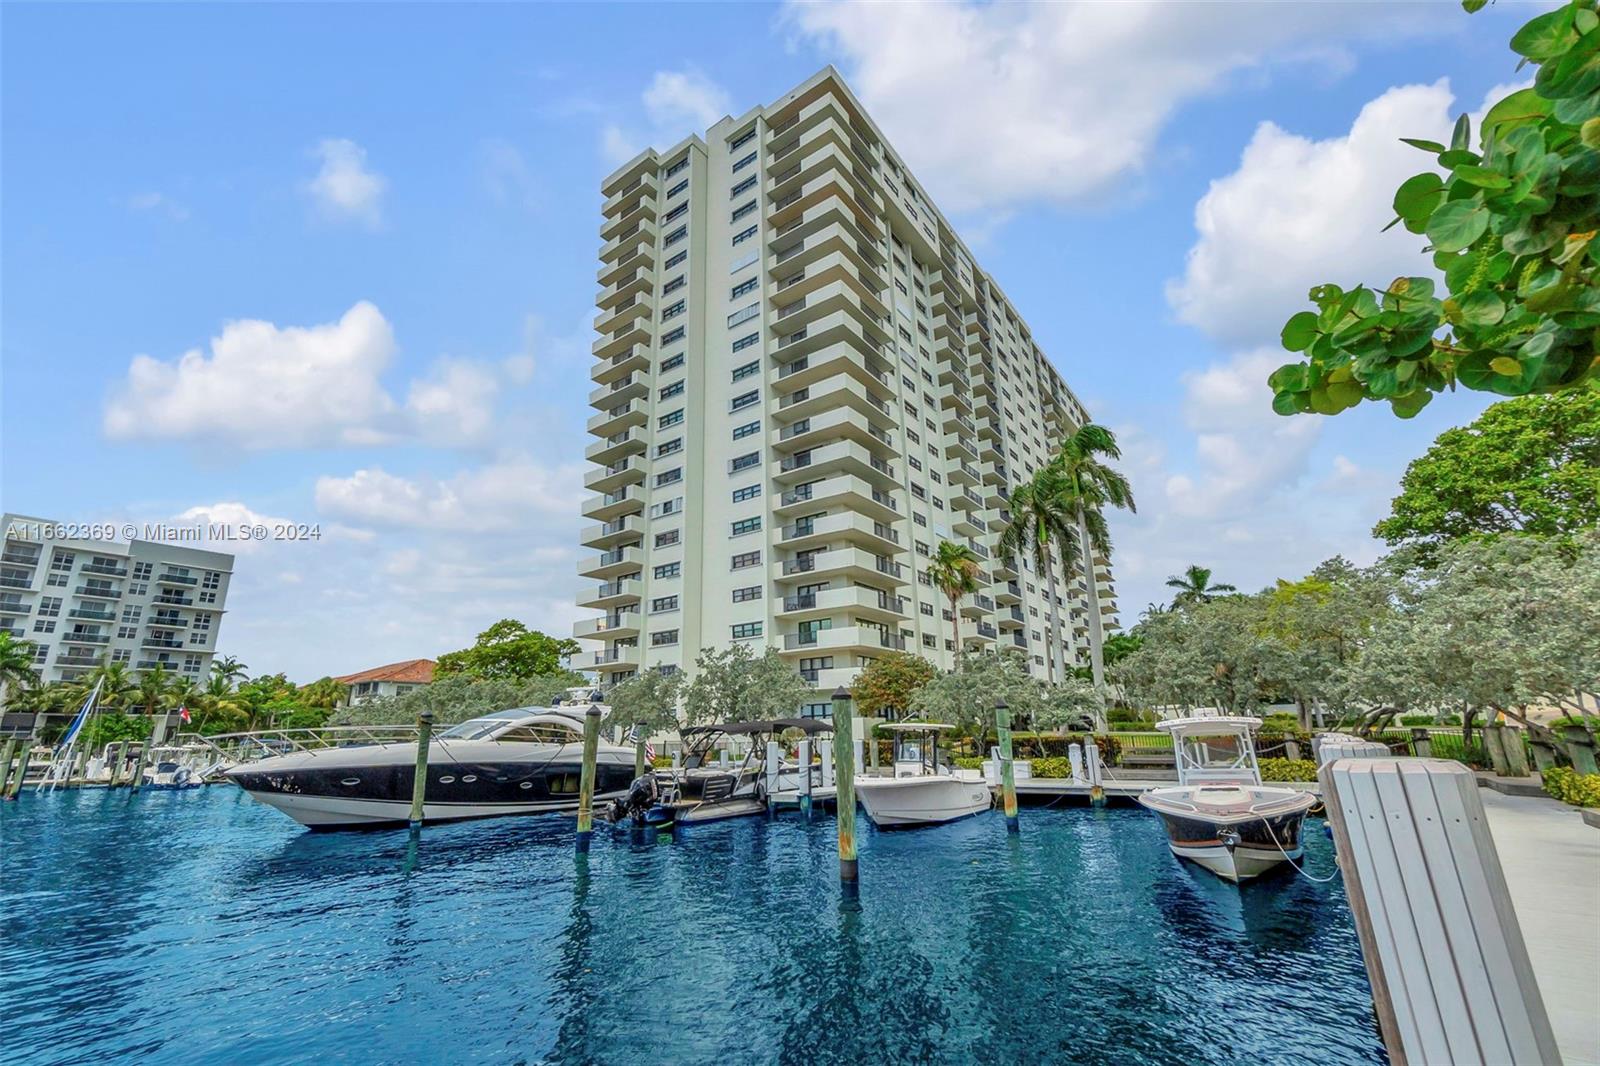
x=699 y=790
x=921 y=790
x=527 y=760
x=1220 y=815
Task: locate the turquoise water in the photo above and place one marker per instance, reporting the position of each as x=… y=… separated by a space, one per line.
x=204 y=928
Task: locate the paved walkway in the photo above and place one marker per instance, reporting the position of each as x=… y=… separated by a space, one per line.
x=1552 y=866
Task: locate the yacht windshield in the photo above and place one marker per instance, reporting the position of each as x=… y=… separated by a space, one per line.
x=474 y=728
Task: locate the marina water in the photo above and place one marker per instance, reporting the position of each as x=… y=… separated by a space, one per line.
x=205 y=928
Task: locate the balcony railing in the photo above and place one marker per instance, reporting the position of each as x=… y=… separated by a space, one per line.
x=88 y=614
x=20 y=558
x=86 y=638
x=15 y=583
x=104 y=592
x=170 y=578
x=105 y=570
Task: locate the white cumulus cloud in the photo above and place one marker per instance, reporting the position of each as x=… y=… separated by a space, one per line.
x=344 y=189
x=1056 y=102
x=676 y=103
x=512 y=493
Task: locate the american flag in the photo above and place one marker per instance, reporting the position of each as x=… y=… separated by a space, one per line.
x=635 y=735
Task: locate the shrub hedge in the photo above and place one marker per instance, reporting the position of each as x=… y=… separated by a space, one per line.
x=1288 y=770
x=1569 y=786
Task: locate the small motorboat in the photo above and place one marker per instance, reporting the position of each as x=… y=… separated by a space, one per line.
x=523 y=761
x=172 y=776
x=921 y=791
x=1220 y=815
x=702 y=791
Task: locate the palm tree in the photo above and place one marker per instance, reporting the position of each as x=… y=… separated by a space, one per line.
x=231 y=668
x=117 y=686
x=954 y=571
x=1195 y=587
x=219 y=703
x=153 y=686
x=16 y=664
x=183 y=692
x=1041 y=526
x=1092 y=486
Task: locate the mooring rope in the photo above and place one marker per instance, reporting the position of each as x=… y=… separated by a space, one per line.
x=1297 y=867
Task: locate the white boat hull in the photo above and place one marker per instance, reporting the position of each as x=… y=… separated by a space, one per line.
x=903 y=802
x=1236 y=864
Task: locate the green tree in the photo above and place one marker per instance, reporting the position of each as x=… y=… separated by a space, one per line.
x=152 y=692
x=1092 y=485
x=1510 y=225
x=508 y=649
x=890 y=683
x=954 y=571
x=967 y=697
x=16 y=665
x=1530 y=465
x=221 y=710
x=1320 y=624
x=324 y=693
x=1195 y=587
x=231 y=668
x=648 y=700
x=1043 y=527
x=119 y=688
x=458 y=697
x=734 y=685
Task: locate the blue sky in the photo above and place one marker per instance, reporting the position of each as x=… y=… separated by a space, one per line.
x=335 y=264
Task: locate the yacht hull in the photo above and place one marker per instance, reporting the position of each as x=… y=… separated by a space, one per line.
x=332 y=812
x=907 y=802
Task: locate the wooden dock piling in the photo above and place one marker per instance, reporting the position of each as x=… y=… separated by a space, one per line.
x=5 y=763
x=805 y=778
x=844 y=751
x=419 y=777
x=1096 y=769
x=22 y=771
x=138 y=766
x=591 y=746
x=1008 y=781
x=119 y=764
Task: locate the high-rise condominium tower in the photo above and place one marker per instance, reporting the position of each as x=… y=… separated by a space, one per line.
x=803 y=383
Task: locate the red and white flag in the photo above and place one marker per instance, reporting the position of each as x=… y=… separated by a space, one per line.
x=183 y=714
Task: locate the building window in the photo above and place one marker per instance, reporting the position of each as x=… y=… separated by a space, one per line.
x=743 y=186
x=743 y=235
x=749 y=369
x=743 y=139
x=44 y=626
x=121 y=655
x=669 y=477
x=744 y=462
x=749 y=429
x=746 y=559
x=672 y=335
x=668 y=538
x=50 y=607
x=744 y=342
x=744 y=287
x=669 y=391
x=742 y=211
x=744 y=314
x=672 y=418
x=746 y=161
x=744 y=595
x=676 y=189
x=666 y=636
x=744 y=399
x=927 y=609
x=676 y=212
x=746 y=630
x=61 y=561
x=666 y=570
x=749 y=492
x=927 y=640
x=672 y=311
x=677 y=258
x=662 y=604
x=666 y=507
x=125 y=632
x=675 y=236
x=672 y=362
x=131 y=613
x=746 y=525
x=678 y=166
x=669 y=447
x=674 y=285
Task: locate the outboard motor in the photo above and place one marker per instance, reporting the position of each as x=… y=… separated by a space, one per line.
x=641 y=796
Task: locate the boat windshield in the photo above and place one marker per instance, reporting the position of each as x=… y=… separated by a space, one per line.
x=1223 y=757
x=909 y=747
x=474 y=728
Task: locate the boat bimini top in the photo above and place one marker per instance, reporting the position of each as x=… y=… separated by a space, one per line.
x=1214 y=749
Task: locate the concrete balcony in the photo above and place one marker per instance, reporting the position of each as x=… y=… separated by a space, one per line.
x=628 y=212
x=795 y=309
x=840 y=457
x=612 y=594
x=642 y=233
x=966 y=500
x=841 y=423
x=639 y=176
x=620 y=365
x=614 y=447
x=851 y=563
x=1012 y=618
x=613 y=505
x=83 y=637
x=856 y=600
x=96 y=592
x=92 y=614
x=841 y=639
x=637 y=281
x=611 y=273
x=801 y=371
x=609 y=478
x=614 y=563
x=612 y=319
x=842 y=322
x=793 y=170
x=875 y=536
x=802 y=275
x=617 y=419
x=1007 y=593
x=981 y=635
x=630 y=387
x=608 y=627
x=635 y=333
x=967 y=524
x=628 y=529
x=839 y=493
x=610 y=660
x=961 y=472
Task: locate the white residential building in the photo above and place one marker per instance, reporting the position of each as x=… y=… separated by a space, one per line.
x=803 y=383
x=83 y=602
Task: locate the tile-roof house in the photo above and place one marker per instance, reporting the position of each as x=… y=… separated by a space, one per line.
x=389 y=680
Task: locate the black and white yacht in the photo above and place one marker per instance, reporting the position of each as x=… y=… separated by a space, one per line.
x=522 y=761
